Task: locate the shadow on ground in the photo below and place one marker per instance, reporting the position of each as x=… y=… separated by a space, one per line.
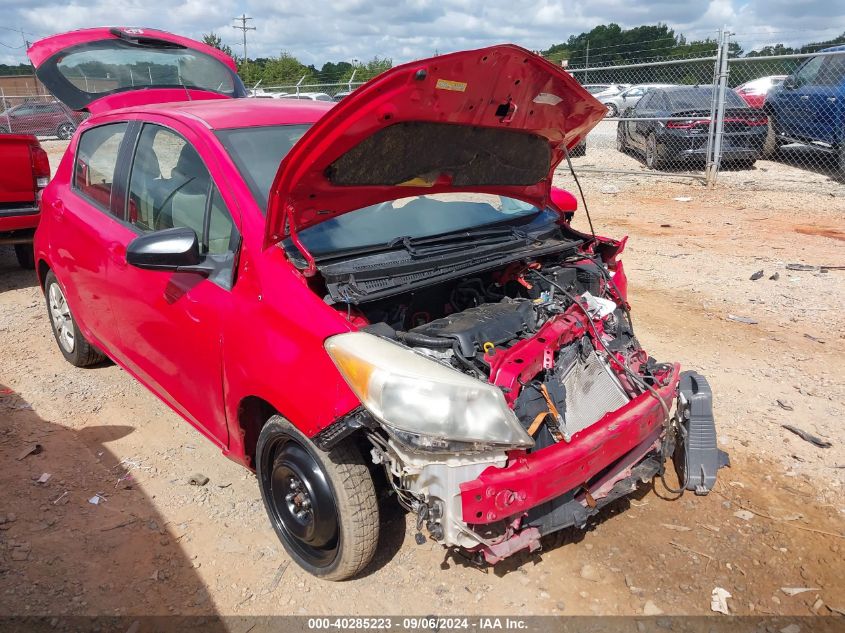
x=61 y=555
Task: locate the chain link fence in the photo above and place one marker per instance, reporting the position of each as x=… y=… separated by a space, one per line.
x=37 y=114
x=701 y=117
x=775 y=119
x=314 y=92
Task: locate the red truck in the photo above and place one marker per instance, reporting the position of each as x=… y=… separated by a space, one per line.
x=24 y=172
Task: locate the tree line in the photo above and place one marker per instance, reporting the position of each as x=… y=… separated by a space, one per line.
x=287 y=70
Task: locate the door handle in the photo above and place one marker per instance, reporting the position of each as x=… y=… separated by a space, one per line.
x=832 y=99
x=805 y=97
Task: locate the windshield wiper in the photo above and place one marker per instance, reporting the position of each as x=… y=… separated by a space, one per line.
x=448 y=242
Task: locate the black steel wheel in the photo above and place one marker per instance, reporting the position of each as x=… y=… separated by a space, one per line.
x=612 y=110
x=321 y=505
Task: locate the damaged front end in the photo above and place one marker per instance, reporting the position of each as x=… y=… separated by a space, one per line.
x=520 y=402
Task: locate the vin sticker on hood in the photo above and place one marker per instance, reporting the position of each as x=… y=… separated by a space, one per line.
x=445 y=84
x=547 y=98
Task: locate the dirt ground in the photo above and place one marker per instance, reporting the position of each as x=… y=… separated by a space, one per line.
x=154 y=544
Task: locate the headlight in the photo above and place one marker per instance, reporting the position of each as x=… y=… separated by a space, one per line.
x=422 y=403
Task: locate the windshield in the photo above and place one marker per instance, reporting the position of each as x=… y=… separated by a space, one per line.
x=414 y=217
x=103 y=67
x=258 y=152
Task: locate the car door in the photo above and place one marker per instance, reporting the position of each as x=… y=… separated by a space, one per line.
x=638 y=129
x=171 y=323
x=22 y=119
x=86 y=229
x=822 y=102
x=791 y=106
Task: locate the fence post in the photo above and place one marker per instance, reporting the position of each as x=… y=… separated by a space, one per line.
x=6 y=107
x=717 y=122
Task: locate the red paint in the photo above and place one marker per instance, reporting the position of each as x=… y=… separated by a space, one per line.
x=24 y=168
x=488 y=78
x=205 y=350
x=522 y=361
x=548 y=473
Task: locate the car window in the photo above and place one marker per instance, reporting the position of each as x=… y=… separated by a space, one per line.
x=634 y=92
x=832 y=72
x=95 y=162
x=645 y=102
x=806 y=75
x=24 y=110
x=222 y=234
x=416 y=217
x=169 y=186
x=258 y=151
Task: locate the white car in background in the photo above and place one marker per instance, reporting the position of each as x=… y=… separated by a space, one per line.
x=627 y=98
x=605 y=90
x=260 y=93
x=310 y=96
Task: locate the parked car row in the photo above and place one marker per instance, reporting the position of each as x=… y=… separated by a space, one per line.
x=762 y=115
x=360 y=303
x=683 y=137
x=303 y=96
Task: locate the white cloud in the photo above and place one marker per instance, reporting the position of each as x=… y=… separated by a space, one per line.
x=405 y=29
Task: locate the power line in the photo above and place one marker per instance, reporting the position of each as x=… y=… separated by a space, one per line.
x=243 y=19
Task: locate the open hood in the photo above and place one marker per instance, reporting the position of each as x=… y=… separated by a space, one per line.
x=493 y=120
x=108 y=68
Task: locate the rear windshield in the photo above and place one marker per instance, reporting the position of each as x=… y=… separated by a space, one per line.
x=100 y=68
x=698 y=99
x=258 y=152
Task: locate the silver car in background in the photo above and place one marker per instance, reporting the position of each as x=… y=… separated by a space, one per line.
x=627 y=98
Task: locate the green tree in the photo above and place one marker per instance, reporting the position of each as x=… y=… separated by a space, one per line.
x=368 y=70
x=286 y=70
x=212 y=39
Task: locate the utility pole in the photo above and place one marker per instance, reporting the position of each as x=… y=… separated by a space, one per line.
x=587 y=61
x=243 y=19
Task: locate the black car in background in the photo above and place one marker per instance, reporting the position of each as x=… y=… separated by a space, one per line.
x=661 y=142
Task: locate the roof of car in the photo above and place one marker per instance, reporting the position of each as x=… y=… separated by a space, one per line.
x=244 y=112
x=833 y=49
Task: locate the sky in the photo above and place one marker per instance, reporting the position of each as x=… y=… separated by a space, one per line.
x=316 y=31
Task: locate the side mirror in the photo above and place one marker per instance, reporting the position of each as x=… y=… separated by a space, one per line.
x=789 y=83
x=176 y=250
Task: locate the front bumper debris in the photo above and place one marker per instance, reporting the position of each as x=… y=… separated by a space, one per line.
x=532 y=479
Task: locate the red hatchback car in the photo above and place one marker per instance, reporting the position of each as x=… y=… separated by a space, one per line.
x=382 y=294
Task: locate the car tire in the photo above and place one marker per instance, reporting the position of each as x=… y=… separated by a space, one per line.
x=25 y=256
x=3 y=130
x=73 y=345
x=65 y=131
x=771 y=143
x=621 y=143
x=322 y=505
x=840 y=168
x=579 y=150
x=612 y=110
x=652 y=157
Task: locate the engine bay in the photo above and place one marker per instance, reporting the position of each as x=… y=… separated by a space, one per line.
x=483 y=325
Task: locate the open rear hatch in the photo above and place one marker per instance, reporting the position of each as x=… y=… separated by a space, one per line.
x=494 y=120
x=107 y=68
